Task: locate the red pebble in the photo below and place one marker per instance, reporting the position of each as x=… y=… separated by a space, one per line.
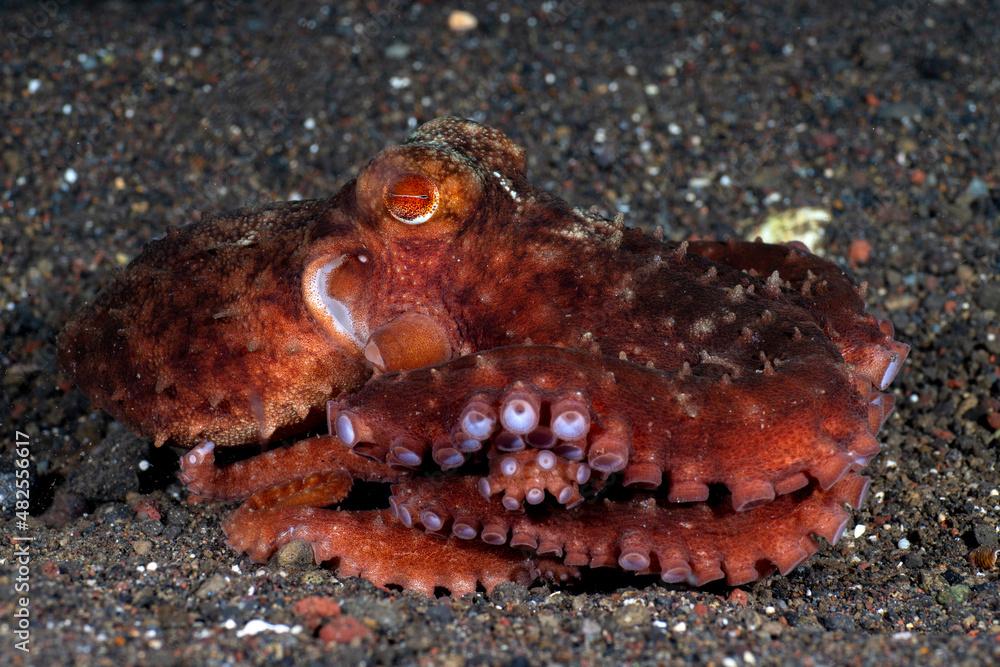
x=918 y=176
x=994 y=420
x=144 y=508
x=943 y=434
x=344 y=630
x=860 y=252
x=826 y=140
x=739 y=596
x=316 y=609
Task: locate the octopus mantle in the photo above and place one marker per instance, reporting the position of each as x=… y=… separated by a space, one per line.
x=539 y=389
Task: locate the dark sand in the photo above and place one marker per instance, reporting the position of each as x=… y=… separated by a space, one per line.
x=118 y=121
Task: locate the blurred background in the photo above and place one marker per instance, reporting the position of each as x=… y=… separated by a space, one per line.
x=869 y=129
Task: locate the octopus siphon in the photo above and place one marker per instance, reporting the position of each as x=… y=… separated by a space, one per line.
x=534 y=389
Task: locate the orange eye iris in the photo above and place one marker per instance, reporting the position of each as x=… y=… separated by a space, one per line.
x=411 y=199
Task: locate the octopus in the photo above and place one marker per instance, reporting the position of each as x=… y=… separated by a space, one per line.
x=521 y=390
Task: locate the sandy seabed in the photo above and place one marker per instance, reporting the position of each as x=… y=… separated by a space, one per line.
x=122 y=119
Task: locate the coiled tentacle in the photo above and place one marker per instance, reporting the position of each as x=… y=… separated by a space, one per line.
x=694 y=543
x=760 y=435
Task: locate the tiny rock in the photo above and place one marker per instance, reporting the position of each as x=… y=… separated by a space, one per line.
x=860 y=252
x=344 y=630
x=315 y=609
x=462 y=21
x=295 y=555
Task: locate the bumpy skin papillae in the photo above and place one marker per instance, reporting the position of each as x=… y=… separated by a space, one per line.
x=692 y=543
x=865 y=342
x=836 y=302
x=749 y=365
x=753 y=433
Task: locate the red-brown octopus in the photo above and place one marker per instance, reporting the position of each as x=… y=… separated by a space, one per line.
x=543 y=389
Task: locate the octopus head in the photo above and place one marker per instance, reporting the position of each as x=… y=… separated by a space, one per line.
x=241 y=327
x=413 y=204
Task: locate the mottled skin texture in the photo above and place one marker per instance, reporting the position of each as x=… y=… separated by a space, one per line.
x=698 y=411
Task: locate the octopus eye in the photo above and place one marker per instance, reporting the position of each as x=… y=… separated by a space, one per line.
x=412 y=199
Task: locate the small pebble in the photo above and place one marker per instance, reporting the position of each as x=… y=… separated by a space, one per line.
x=296 y=555
x=212 y=586
x=462 y=21
x=977 y=190
x=986 y=534
x=397 y=51
x=257 y=626
x=590 y=629
x=954 y=595
x=860 y=252
x=344 y=630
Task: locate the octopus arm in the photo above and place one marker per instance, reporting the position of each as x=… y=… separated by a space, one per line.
x=690 y=543
x=761 y=435
x=303 y=464
x=822 y=288
x=371 y=544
